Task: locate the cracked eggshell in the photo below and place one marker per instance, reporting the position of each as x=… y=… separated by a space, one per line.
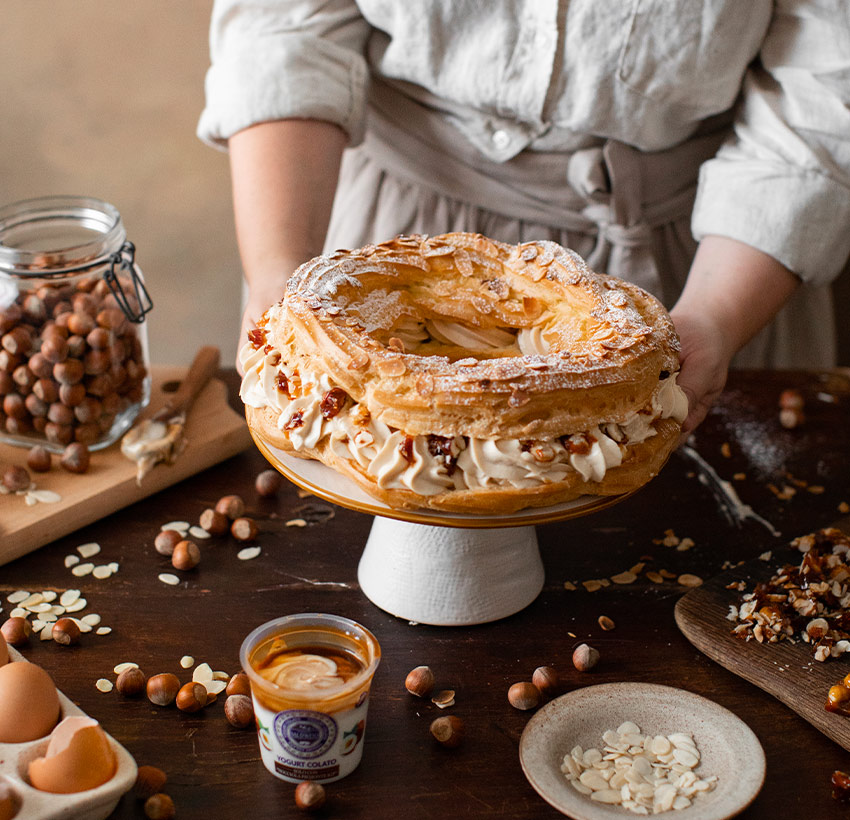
x=78 y=757
x=29 y=703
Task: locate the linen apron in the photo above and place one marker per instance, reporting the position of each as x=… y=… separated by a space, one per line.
x=626 y=212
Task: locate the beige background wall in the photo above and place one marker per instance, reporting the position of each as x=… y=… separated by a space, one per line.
x=101 y=98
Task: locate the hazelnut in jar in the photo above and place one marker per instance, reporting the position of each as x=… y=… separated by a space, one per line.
x=74 y=363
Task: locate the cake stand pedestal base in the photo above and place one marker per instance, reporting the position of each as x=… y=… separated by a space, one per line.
x=450 y=576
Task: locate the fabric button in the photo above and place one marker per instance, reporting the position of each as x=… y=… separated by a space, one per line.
x=501 y=139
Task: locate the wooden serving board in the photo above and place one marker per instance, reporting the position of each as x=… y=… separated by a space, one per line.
x=787 y=671
x=214 y=432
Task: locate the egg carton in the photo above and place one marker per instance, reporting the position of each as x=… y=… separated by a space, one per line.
x=92 y=804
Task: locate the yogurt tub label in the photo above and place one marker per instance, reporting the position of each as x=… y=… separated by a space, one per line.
x=301 y=744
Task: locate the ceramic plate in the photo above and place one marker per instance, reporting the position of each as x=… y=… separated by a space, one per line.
x=728 y=747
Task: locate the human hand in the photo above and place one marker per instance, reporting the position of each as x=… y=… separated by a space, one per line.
x=704 y=361
x=258 y=302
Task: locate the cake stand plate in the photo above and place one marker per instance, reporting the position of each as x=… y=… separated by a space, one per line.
x=433 y=567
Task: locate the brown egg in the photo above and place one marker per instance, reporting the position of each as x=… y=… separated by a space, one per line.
x=29 y=703
x=4 y=659
x=8 y=802
x=79 y=757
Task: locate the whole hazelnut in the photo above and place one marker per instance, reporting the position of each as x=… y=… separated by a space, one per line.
x=186 y=555
x=70 y=371
x=790 y=417
x=231 y=505
x=244 y=529
x=524 y=695
x=131 y=684
x=191 y=697
x=420 y=681
x=80 y=323
x=66 y=632
x=166 y=541
x=791 y=399
x=36 y=407
x=268 y=483
x=214 y=522
x=58 y=433
x=75 y=458
x=159 y=807
x=309 y=795
x=239 y=711
x=17 y=631
x=71 y=394
x=162 y=689
x=447 y=730
x=545 y=678
x=39 y=459
x=149 y=780
x=14 y=406
x=585 y=657
x=16 y=478
x=238 y=685
x=54 y=349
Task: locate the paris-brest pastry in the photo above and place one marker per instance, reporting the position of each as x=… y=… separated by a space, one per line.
x=462 y=374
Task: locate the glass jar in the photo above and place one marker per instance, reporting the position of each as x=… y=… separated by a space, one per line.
x=74 y=362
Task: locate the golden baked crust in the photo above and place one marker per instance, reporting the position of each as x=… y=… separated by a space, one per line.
x=459 y=335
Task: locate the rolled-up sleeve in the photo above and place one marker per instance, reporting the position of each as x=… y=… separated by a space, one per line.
x=277 y=59
x=782 y=183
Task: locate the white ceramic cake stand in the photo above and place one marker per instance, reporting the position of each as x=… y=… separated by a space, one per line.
x=444 y=569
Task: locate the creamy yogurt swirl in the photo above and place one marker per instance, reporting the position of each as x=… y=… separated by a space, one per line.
x=302 y=673
x=428 y=465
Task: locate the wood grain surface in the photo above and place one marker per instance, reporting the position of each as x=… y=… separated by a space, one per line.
x=214 y=771
x=788 y=671
x=214 y=432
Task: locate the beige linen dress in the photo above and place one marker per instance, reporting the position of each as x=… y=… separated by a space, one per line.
x=625 y=129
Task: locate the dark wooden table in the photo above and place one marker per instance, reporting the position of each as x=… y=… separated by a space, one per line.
x=215 y=771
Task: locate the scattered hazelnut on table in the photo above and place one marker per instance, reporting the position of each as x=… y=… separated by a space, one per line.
x=166 y=541
x=231 y=505
x=39 y=459
x=149 y=781
x=239 y=711
x=791 y=405
x=131 y=684
x=309 y=795
x=75 y=458
x=545 y=678
x=214 y=522
x=16 y=478
x=159 y=807
x=162 y=689
x=524 y=695
x=66 y=632
x=268 y=483
x=447 y=731
x=191 y=697
x=419 y=681
x=605 y=623
x=17 y=631
x=244 y=529
x=186 y=555
x=585 y=657
x=238 y=685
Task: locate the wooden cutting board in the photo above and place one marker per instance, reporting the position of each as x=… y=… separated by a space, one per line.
x=214 y=432
x=787 y=671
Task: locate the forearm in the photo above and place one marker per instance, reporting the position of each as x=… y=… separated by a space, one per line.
x=732 y=292
x=284 y=176
x=735 y=288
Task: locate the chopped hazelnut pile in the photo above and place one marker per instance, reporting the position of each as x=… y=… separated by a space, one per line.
x=809 y=602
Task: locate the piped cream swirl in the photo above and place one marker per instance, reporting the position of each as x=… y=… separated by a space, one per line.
x=382 y=452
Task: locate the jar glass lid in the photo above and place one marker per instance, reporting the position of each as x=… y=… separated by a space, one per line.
x=58 y=234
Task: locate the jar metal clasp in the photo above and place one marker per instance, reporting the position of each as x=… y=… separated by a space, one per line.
x=124 y=260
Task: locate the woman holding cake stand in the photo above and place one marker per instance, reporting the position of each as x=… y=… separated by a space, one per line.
x=700 y=152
